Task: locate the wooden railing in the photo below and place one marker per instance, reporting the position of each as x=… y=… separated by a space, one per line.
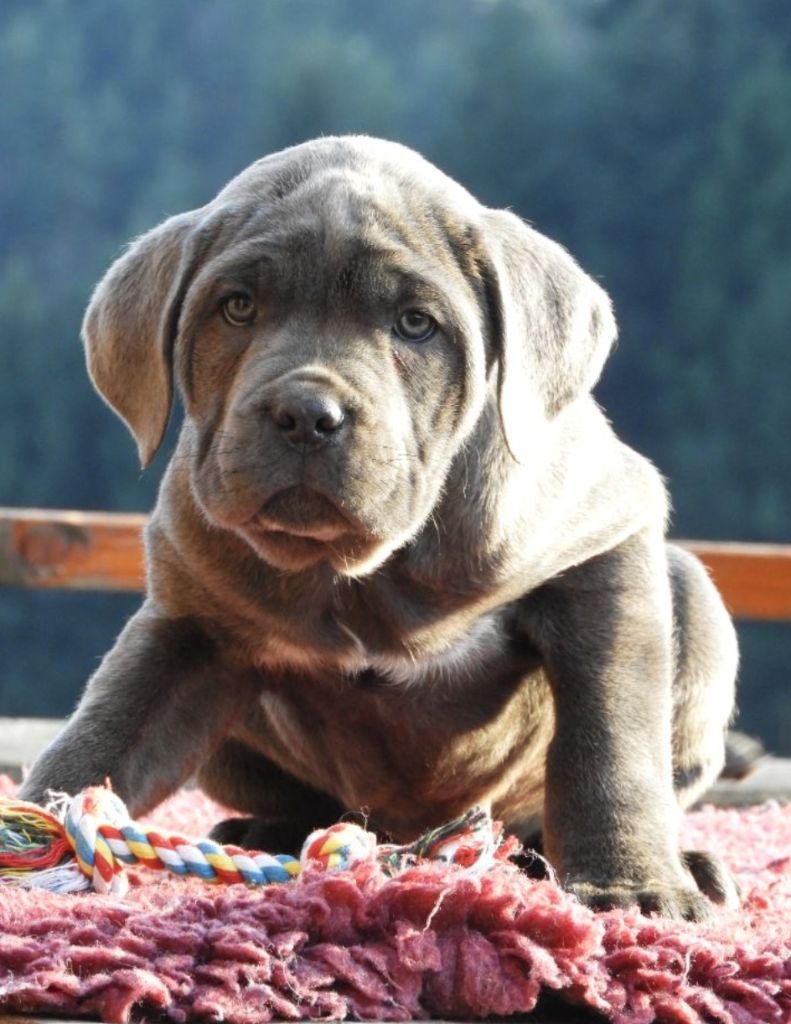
x=45 y=548
x=103 y=551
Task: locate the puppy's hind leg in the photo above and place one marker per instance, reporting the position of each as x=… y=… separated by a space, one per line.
x=706 y=662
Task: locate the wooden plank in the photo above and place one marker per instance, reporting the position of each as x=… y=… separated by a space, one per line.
x=78 y=550
x=103 y=551
x=754 y=579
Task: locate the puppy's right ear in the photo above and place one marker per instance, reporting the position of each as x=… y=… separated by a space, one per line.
x=130 y=327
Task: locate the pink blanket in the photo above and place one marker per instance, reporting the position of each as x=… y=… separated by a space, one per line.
x=432 y=942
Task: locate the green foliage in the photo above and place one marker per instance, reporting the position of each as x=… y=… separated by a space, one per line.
x=651 y=138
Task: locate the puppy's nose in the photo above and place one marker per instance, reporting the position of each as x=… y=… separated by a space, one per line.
x=308 y=419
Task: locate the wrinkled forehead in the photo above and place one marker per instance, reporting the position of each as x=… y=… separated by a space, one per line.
x=344 y=206
x=383 y=172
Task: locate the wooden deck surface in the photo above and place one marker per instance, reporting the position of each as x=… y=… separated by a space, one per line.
x=21 y=739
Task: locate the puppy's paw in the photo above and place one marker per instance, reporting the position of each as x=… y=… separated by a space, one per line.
x=258 y=834
x=677 y=902
x=230 y=832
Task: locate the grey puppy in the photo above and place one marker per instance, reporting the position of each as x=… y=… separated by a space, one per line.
x=399 y=559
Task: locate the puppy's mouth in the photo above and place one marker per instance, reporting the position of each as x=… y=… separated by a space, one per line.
x=298 y=525
x=301 y=512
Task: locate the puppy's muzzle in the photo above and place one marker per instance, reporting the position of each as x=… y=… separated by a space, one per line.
x=308 y=418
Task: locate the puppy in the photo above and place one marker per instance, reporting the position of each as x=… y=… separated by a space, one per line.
x=399 y=559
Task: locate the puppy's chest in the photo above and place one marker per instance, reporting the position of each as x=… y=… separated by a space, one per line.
x=458 y=658
x=369 y=643
x=407 y=736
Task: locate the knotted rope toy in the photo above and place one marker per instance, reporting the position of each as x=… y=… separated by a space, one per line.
x=85 y=841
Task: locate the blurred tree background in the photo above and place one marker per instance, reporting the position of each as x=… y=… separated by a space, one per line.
x=652 y=138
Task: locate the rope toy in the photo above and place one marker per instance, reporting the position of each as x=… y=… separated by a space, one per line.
x=85 y=841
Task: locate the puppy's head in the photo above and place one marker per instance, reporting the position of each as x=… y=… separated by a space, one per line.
x=336 y=320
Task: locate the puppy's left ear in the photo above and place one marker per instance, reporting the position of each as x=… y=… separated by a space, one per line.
x=554 y=326
x=129 y=330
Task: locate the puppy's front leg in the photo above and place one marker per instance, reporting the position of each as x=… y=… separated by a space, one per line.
x=611 y=817
x=158 y=703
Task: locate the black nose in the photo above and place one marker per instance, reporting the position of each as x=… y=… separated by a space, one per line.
x=308 y=419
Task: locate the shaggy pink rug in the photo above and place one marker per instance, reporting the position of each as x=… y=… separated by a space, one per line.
x=430 y=942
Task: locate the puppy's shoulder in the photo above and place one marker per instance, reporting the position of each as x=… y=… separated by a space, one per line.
x=591 y=493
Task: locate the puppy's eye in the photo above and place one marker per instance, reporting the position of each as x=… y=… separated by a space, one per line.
x=239 y=309
x=415 y=325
